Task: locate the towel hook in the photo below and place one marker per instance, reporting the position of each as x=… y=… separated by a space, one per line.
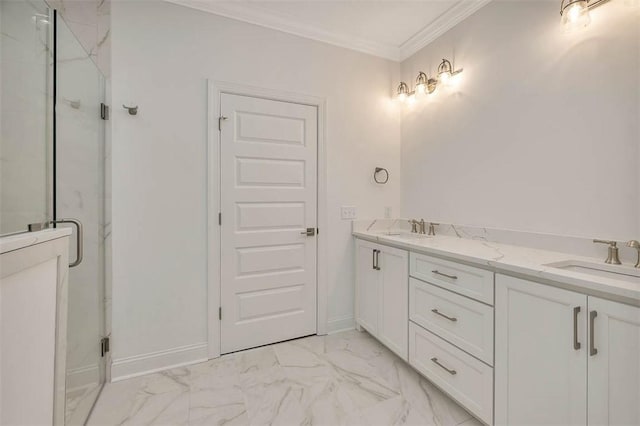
x=386 y=175
x=132 y=110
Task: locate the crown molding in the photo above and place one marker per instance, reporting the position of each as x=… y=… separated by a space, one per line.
x=280 y=22
x=441 y=25
x=288 y=24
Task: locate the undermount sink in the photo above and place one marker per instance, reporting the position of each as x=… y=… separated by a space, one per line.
x=616 y=272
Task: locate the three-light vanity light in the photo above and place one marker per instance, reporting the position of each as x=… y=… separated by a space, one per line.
x=426 y=85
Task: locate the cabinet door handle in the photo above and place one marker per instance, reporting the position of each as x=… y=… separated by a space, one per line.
x=452 y=372
x=592 y=334
x=377 y=254
x=576 y=344
x=453 y=277
x=452 y=319
x=373 y=259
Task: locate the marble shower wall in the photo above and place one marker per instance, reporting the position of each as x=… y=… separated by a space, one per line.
x=25 y=114
x=90 y=22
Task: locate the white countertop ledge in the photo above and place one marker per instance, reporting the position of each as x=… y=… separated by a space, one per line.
x=26 y=239
x=523 y=261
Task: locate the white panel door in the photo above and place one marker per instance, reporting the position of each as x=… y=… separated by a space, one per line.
x=268 y=178
x=540 y=354
x=393 y=320
x=614 y=363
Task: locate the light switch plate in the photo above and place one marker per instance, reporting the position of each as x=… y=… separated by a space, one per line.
x=348 y=212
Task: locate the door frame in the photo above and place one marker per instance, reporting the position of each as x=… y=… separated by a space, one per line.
x=215 y=89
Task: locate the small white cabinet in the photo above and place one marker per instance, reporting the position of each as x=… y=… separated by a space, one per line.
x=614 y=363
x=382 y=286
x=541 y=347
x=563 y=357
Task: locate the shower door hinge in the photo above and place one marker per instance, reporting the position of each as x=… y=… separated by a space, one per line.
x=220 y=313
x=104 y=111
x=104 y=346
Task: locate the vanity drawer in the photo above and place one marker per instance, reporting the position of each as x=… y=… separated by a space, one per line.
x=459 y=320
x=472 y=282
x=466 y=379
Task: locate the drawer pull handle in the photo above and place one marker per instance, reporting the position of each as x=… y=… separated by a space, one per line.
x=437 y=312
x=453 y=277
x=452 y=372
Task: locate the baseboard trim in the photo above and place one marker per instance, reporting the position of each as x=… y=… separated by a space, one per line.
x=78 y=378
x=138 y=365
x=340 y=324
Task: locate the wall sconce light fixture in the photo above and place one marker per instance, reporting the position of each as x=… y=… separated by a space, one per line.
x=403 y=91
x=426 y=85
x=446 y=71
x=575 y=13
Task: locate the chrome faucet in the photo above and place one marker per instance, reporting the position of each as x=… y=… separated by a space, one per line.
x=636 y=245
x=432 y=229
x=422 y=226
x=414 y=226
x=612 y=254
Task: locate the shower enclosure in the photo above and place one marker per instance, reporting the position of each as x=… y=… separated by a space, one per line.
x=52 y=156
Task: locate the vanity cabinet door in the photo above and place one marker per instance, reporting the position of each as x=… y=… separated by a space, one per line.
x=393 y=318
x=540 y=354
x=614 y=363
x=367 y=285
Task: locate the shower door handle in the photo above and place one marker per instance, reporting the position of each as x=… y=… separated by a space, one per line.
x=79 y=239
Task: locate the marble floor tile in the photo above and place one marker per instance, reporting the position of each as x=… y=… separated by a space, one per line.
x=347 y=378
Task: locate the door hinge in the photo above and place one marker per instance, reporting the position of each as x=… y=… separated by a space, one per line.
x=104 y=111
x=219 y=218
x=104 y=346
x=220 y=313
x=220 y=120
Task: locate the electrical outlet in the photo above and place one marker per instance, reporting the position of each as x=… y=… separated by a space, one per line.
x=388 y=211
x=348 y=212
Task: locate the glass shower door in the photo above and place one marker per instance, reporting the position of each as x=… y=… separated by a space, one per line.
x=79 y=194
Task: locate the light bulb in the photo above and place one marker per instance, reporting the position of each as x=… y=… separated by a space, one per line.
x=402 y=97
x=421 y=89
x=576 y=15
x=444 y=77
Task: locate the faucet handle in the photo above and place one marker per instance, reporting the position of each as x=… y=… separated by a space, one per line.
x=611 y=243
x=612 y=255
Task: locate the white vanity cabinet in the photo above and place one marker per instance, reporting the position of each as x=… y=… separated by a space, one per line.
x=562 y=357
x=614 y=363
x=382 y=294
x=33 y=327
x=541 y=354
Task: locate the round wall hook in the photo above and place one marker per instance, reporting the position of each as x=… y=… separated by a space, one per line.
x=132 y=110
x=385 y=179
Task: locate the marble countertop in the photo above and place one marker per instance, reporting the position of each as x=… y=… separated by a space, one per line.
x=26 y=239
x=499 y=257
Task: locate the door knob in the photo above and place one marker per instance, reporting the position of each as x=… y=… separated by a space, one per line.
x=310 y=232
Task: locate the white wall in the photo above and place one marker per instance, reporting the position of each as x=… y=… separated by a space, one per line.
x=543 y=132
x=162 y=55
